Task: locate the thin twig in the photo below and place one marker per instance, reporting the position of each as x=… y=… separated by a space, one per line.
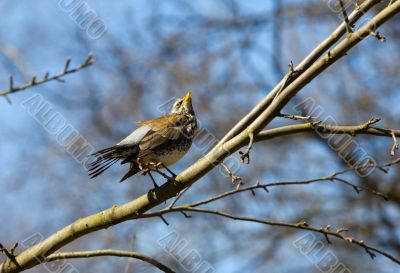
x=301 y=225
x=378 y=36
x=296 y=117
x=395 y=145
x=287 y=78
x=246 y=155
x=345 y=17
x=10 y=254
x=58 y=77
x=178 y=197
x=234 y=178
x=331 y=178
x=108 y=252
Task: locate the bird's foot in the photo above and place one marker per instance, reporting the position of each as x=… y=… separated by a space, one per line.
x=159 y=165
x=145 y=171
x=154 y=181
x=169 y=178
x=147 y=168
x=156 y=166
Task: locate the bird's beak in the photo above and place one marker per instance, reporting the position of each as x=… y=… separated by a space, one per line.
x=187 y=97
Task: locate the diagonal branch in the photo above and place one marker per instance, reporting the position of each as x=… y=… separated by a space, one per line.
x=47 y=78
x=108 y=252
x=345 y=17
x=10 y=254
x=176 y=199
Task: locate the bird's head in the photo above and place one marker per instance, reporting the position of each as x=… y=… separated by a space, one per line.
x=183 y=106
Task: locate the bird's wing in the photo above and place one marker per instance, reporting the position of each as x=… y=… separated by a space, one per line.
x=136 y=136
x=163 y=130
x=159 y=123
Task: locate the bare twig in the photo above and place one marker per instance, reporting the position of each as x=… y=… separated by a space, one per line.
x=395 y=145
x=301 y=225
x=345 y=17
x=287 y=78
x=234 y=178
x=246 y=155
x=10 y=254
x=108 y=252
x=378 y=36
x=296 y=117
x=331 y=178
x=178 y=197
x=58 y=77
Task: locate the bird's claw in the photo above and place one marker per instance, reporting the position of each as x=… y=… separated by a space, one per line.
x=149 y=167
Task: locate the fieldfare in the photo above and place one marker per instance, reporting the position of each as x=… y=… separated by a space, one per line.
x=158 y=143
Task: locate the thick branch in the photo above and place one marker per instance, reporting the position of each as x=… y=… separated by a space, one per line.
x=108 y=252
x=324 y=129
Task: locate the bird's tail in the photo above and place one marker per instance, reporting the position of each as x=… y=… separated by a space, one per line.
x=105 y=158
x=133 y=169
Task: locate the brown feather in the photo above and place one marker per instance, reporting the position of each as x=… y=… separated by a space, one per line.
x=164 y=129
x=160 y=123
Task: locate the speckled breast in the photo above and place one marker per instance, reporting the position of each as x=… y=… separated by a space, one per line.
x=172 y=152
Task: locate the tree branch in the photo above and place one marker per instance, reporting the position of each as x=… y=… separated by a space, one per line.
x=345 y=17
x=331 y=178
x=108 y=252
x=10 y=254
x=47 y=78
x=321 y=65
x=316 y=127
x=309 y=60
x=301 y=225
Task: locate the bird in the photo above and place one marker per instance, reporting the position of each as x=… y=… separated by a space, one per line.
x=157 y=143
